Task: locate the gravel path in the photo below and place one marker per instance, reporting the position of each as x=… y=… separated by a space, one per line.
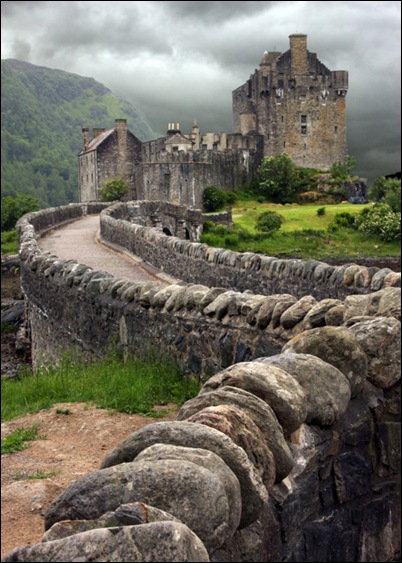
x=78 y=241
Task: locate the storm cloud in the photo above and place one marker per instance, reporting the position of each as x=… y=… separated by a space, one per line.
x=180 y=60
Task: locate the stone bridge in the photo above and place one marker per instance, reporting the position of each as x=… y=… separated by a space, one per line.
x=290 y=452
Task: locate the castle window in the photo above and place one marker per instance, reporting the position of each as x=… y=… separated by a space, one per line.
x=204 y=147
x=284 y=144
x=304 y=118
x=304 y=129
x=215 y=146
x=336 y=129
x=282 y=119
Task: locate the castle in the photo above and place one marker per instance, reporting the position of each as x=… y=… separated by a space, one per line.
x=292 y=104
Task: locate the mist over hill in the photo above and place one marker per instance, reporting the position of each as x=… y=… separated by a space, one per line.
x=42 y=113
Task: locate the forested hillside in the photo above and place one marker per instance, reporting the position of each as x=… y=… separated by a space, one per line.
x=42 y=113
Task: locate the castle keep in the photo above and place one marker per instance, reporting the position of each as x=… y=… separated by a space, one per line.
x=292 y=104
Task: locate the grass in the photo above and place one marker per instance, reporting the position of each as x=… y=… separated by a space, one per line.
x=38 y=475
x=135 y=386
x=9 y=242
x=16 y=441
x=296 y=217
x=303 y=234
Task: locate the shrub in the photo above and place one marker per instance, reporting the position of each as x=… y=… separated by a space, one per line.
x=231 y=198
x=269 y=222
x=231 y=241
x=321 y=211
x=113 y=190
x=214 y=199
x=393 y=197
x=380 y=220
x=387 y=190
x=344 y=219
x=208 y=226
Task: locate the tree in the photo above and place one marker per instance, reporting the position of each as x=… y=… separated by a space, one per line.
x=278 y=178
x=343 y=170
x=14 y=208
x=387 y=190
x=113 y=190
x=214 y=199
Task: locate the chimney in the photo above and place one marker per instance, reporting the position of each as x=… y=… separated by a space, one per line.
x=98 y=131
x=85 y=138
x=298 y=50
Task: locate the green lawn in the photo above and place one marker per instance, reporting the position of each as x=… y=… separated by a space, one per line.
x=296 y=217
x=303 y=234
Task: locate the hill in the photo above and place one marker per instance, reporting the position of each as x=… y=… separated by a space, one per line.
x=42 y=113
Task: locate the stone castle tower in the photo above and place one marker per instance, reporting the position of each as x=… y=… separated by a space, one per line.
x=297 y=104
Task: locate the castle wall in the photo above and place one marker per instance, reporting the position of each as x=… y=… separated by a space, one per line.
x=181 y=177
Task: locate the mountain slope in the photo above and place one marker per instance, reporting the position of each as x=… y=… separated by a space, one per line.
x=42 y=113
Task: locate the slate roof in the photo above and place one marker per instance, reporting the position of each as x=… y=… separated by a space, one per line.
x=94 y=144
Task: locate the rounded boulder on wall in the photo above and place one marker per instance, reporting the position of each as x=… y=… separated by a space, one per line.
x=337 y=346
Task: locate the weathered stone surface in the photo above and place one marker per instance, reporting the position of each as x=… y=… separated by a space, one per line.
x=390 y=303
x=350 y=273
x=131 y=514
x=208 y=460
x=260 y=413
x=316 y=316
x=162 y=297
x=279 y=310
x=296 y=313
x=219 y=307
x=159 y=541
x=274 y=386
x=190 y=492
x=210 y=296
x=352 y=476
x=336 y=346
x=242 y=430
x=380 y=338
x=334 y=317
x=327 y=389
x=393 y=280
x=265 y=312
x=190 y=434
x=356 y=305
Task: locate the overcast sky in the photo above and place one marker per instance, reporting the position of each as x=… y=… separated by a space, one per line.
x=180 y=60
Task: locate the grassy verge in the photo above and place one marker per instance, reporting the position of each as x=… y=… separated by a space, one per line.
x=38 y=475
x=303 y=234
x=9 y=243
x=16 y=441
x=135 y=386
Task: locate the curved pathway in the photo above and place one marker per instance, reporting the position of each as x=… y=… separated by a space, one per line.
x=79 y=241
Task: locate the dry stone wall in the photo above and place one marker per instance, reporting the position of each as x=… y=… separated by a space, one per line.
x=200 y=264
x=280 y=459
x=290 y=454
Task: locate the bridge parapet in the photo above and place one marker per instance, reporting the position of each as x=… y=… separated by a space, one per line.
x=317 y=381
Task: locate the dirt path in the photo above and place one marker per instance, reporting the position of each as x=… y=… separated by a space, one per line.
x=76 y=444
